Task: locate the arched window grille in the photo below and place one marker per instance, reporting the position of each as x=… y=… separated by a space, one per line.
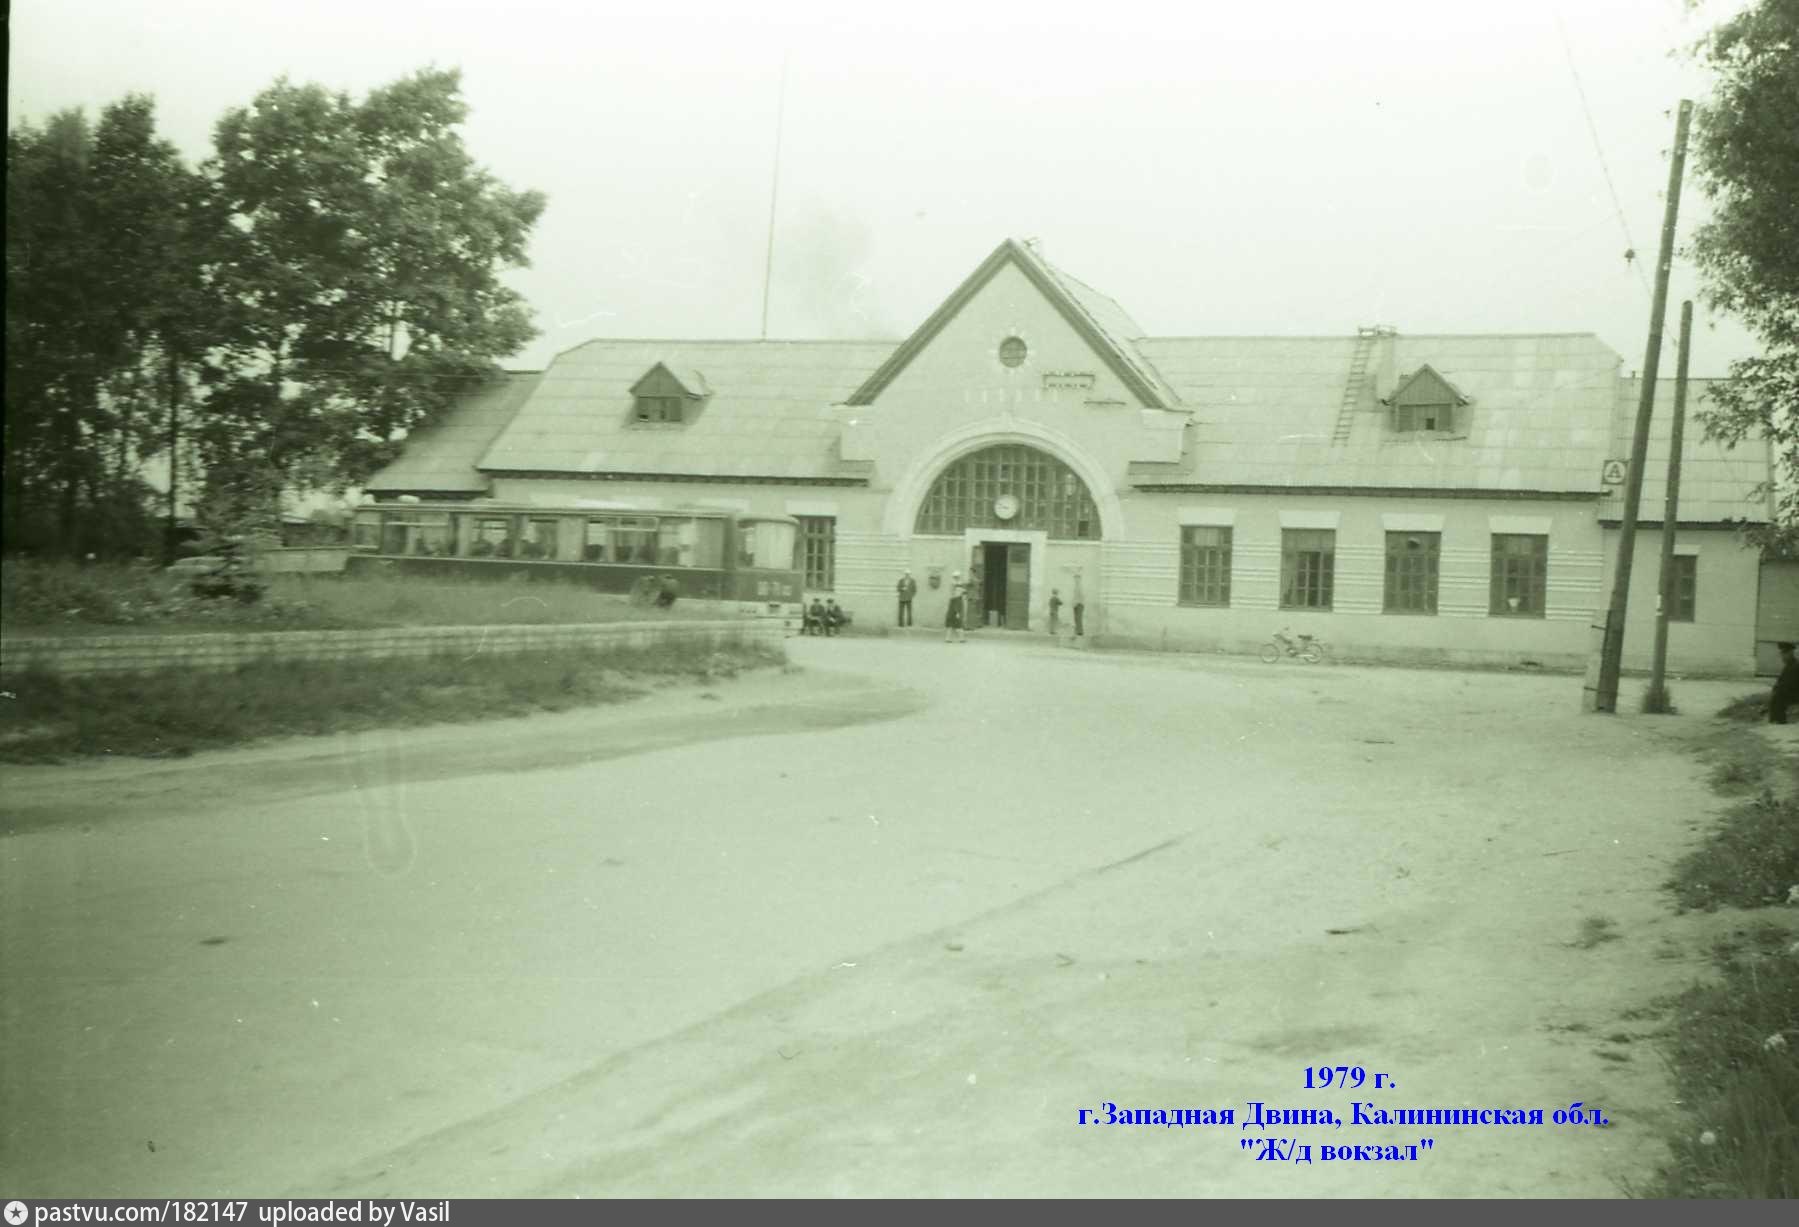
x=1051 y=496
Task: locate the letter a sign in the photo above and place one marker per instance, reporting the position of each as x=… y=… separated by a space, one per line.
x=1612 y=472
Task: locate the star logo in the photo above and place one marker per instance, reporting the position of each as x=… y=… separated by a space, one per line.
x=16 y=1213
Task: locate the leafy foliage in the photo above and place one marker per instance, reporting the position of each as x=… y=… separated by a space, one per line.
x=361 y=259
x=1747 y=154
x=328 y=281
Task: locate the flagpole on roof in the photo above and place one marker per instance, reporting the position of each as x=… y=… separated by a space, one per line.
x=774 y=190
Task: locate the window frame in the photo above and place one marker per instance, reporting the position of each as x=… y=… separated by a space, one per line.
x=815 y=552
x=1684 y=607
x=1397 y=585
x=1204 y=578
x=660 y=410
x=1298 y=544
x=1502 y=575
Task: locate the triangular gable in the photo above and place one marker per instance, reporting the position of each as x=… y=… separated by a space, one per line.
x=1425 y=387
x=1111 y=350
x=662 y=380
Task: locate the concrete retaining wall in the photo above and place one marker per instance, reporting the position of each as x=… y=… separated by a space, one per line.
x=148 y=653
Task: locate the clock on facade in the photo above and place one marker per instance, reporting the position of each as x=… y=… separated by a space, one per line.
x=1005 y=506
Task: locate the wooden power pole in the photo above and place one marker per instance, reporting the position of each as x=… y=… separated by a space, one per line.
x=1604 y=697
x=1664 y=608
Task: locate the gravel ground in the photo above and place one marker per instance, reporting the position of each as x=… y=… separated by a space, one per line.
x=879 y=925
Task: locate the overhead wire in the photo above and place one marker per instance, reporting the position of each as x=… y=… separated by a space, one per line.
x=1630 y=249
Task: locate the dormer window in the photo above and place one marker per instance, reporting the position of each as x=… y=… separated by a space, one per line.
x=668 y=397
x=1425 y=401
x=659 y=408
x=1422 y=417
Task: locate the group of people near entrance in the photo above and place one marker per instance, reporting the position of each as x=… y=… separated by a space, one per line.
x=957 y=614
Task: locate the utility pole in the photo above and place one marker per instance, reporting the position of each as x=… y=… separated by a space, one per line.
x=1664 y=608
x=774 y=190
x=1604 y=698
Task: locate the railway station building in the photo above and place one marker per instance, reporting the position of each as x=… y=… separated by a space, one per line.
x=1450 y=499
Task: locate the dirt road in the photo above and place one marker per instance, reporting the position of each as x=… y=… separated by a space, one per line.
x=883 y=925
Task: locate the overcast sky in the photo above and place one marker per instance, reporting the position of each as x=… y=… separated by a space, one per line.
x=1296 y=168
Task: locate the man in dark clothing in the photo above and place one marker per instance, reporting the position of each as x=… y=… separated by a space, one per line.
x=667 y=589
x=908 y=588
x=1786 y=686
x=834 y=617
x=815 y=617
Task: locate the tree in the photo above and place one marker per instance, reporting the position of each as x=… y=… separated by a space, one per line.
x=93 y=272
x=1747 y=154
x=362 y=261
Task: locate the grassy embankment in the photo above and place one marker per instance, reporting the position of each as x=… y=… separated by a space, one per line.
x=45 y=718
x=67 y=599
x=1733 y=1043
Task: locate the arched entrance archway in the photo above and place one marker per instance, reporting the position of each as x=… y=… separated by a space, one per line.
x=1028 y=510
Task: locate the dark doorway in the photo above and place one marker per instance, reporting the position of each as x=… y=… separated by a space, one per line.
x=1005 y=585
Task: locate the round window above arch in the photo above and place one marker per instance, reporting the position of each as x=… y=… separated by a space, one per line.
x=1012 y=351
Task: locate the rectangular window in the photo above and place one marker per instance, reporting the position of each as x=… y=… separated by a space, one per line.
x=1308 y=561
x=492 y=537
x=818 y=552
x=1205 y=566
x=1412 y=572
x=1684 y=581
x=540 y=539
x=1520 y=575
x=1421 y=417
x=659 y=409
x=634 y=540
x=365 y=532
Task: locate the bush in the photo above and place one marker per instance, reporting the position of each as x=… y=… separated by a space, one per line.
x=1735 y=1052
x=1752 y=860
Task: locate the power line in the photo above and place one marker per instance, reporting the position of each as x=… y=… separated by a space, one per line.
x=1630 y=251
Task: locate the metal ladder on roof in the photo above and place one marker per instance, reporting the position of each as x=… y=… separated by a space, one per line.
x=1365 y=340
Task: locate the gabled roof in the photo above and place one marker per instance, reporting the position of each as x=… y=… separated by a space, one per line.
x=1265 y=408
x=769 y=414
x=1716 y=481
x=1425 y=387
x=687 y=381
x=440 y=458
x=1097 y=319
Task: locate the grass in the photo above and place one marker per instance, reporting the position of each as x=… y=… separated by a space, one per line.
x=1749 y=709
x=1733 y=1047
x=50 y=598
x=1750 y=860
x=45 y=718
x=1733 y=1044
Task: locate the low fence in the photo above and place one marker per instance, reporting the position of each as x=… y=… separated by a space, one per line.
x=148 y=653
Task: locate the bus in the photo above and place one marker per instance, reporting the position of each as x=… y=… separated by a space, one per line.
x=743 y=563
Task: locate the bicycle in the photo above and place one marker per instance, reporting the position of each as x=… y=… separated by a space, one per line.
x=1306 y=647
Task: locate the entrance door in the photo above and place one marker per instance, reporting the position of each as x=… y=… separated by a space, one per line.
x=1004 y=584
x=1018 y=586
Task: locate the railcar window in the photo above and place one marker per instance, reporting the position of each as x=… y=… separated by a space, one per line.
x=540 y=539
x=423 y=534
x=492 y=537
x=765 y=545
x=365 y=532
x=709 y=544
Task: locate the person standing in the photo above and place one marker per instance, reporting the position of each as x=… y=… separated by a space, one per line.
x=955 y=617
x=1080 y=607
x=1055 y=610
x=908 y=588
x=1786 y=686
x=815 y=617
x=834 y=617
